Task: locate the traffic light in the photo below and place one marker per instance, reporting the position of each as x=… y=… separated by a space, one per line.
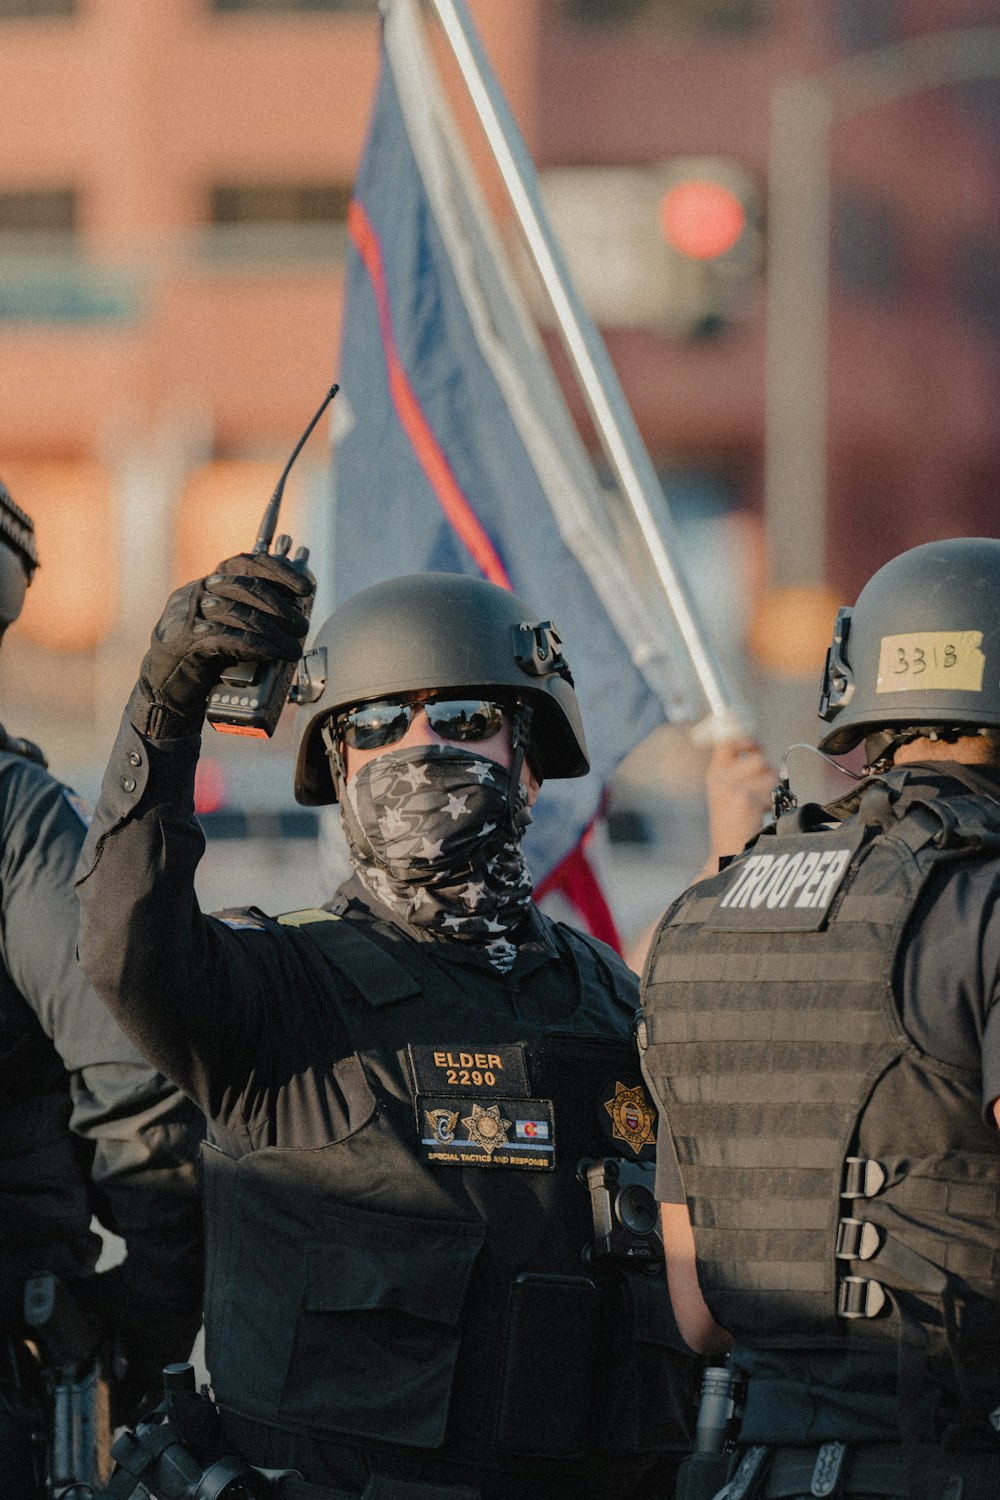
x=709 y=217
x=701 y=218
x=675 y=246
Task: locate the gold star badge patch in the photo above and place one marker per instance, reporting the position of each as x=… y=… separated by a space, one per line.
x=632 y=1117
x=486 y=1128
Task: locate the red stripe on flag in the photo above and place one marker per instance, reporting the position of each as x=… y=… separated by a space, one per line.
x=573 y=876
x=411 y=416
x=575 y=880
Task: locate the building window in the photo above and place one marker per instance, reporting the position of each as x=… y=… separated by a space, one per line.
x=867 y=247
x=261 y=223
x=30 y=10
x=317 y=7
x=46 y=211
x=737 y=17
x=256 y=203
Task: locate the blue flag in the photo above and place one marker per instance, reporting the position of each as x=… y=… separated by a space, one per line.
x=455 y=451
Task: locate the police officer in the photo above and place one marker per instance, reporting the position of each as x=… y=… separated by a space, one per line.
x=822 y=1033
x=86 y=1126
x=424 y=1096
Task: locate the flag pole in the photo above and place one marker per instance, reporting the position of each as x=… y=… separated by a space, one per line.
x=609 y=410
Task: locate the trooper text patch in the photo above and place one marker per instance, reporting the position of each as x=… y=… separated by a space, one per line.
x=789 y=885
x=486 y=1132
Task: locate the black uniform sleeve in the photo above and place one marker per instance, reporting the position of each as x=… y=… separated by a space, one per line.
x=192 y=993
x=951 y=973
x=991 y=1028
x=991 y=998
x=991 y=1059
x=143 y=1133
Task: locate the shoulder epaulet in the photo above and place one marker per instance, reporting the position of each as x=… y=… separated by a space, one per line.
x=354 y=952
x=251 y=918
x=306 y=917
x=15 y=745
x=622 y=979
x=242 y=918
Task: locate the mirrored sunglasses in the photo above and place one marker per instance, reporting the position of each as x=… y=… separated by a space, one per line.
x=372 y=726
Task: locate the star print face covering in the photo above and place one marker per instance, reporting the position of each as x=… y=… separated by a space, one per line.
x=430 y=835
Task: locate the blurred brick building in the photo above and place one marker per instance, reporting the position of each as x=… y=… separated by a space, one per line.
x=174 y=177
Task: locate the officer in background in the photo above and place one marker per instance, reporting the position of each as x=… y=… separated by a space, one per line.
x=822 y=1033
x=86 y=1126
x=424 y=1096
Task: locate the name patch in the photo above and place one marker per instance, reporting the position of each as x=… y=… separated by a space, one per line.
x=470 y=1069
x=486 y=1132
x=787 y=888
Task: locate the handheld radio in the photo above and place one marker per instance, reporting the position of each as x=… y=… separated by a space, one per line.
x=249 y=697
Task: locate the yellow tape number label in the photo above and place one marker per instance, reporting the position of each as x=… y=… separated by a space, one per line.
x=931 y=659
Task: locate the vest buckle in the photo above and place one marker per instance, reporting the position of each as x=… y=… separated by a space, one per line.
x=827 y=1469
x=860 y=1298
x=857 y=1239
x=863 y=1177
x=751 y=1467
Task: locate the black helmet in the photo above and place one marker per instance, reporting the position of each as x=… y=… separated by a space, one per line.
x=439 y=631
x=920 y=648
x=18 y=557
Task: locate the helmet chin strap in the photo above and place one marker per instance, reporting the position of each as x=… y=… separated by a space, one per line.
x=882 y=744
x=334 y=754
x=520 y=735
x=338 y=771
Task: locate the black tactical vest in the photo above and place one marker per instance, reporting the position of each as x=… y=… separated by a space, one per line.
x=843 y=1186
x=419 y=1279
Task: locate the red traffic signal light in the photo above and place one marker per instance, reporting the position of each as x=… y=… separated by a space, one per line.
x=701 y=218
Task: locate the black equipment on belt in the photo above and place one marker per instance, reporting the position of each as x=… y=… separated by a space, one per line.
x=163 y=1457
x=705 y=1471
x=177 y=1454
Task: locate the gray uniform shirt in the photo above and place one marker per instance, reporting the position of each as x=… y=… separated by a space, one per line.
x=87 y=1126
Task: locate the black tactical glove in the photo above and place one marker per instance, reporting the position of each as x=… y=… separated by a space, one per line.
x=247 y=610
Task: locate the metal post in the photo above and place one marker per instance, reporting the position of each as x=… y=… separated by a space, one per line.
x=797 y=296
x=803 y=111
x=598 y=381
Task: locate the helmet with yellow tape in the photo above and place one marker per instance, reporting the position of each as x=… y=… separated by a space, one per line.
x=920 y=650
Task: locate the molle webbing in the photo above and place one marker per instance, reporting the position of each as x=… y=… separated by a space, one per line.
x=763 y=1095
x=767 y=1048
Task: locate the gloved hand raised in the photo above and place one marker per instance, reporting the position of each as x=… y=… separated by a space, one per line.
x=249 y=609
